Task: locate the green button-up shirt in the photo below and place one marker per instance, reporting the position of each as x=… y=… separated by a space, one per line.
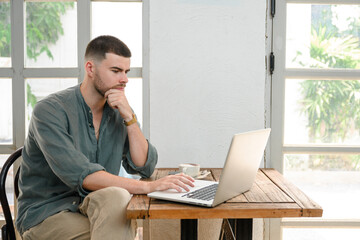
x=61 y=150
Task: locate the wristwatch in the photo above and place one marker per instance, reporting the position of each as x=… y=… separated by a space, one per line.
x=133 y=120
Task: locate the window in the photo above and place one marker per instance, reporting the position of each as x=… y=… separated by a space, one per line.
x=6 y=133
x=50 y=34
x=315 y=112
x=42 y=44
x=116 y=22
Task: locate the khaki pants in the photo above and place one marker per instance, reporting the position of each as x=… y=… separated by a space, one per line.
x=102 y=216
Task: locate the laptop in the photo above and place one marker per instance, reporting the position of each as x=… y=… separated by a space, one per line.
x=238 y=174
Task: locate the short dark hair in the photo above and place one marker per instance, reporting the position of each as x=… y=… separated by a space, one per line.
x=99 y=46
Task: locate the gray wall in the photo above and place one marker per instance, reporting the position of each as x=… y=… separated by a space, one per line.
x=207 y=77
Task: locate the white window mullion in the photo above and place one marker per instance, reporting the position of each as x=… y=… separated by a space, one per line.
x=146 y=67
x=5 y=72
x=318 y=223
x=51 y=72
x=135 y=72
x=84 y=32
x=324 y=1
x=313 y=149
x=278 y=86
x=117 y=1
x=18 y=85
x=322 y=74
x=277 y=100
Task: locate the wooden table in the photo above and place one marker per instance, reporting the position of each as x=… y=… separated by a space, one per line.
x=271 y=196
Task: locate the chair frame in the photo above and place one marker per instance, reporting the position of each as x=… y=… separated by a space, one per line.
x=8 y=230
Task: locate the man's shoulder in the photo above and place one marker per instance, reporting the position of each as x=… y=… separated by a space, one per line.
x=61 y=97
x=59 y=100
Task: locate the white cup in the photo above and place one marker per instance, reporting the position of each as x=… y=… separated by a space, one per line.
x=190 y=169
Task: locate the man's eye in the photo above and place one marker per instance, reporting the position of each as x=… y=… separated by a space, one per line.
x=115 y=71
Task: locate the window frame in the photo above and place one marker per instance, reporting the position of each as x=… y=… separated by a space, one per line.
x=278 y=148
x=18 y=73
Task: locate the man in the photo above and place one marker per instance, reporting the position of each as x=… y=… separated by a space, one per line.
x=78 y=137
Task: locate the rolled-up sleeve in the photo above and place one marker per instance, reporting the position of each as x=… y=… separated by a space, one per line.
x=146 y=170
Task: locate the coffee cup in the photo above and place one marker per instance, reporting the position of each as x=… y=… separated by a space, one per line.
x=190 y=169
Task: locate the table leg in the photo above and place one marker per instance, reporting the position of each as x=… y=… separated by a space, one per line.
x=146 y=229
x=242 y=228
x=189 y=229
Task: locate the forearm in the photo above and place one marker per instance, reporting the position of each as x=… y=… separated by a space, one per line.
x=101 y=179
x=138 y=145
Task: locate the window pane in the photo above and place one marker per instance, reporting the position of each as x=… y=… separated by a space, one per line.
x=9 y=186
x=122 y=20
x=51 y=34
x=38 y=88
x=5 y=34
x=333 y=181
x=6 y=125
x=326 y=37
x=322 y=111
x=134 y=96
x=320 y=234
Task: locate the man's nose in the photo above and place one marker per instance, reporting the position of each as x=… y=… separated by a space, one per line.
x=124 y=78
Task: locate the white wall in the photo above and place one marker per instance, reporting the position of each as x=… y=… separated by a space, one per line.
x=207 y=77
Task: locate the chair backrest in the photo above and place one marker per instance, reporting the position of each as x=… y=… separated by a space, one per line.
x=8 y=230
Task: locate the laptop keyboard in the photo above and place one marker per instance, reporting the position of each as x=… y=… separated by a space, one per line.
x=206 y=193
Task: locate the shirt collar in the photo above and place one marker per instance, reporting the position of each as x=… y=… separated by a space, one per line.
x=108 y=111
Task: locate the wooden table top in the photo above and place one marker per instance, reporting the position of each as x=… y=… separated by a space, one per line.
x=271 y=196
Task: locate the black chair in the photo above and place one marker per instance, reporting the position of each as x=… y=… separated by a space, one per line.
x=8 y=230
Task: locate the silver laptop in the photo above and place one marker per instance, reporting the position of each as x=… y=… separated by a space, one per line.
x=238 y=174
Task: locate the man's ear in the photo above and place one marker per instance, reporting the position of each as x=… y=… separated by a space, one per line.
x=89 y=68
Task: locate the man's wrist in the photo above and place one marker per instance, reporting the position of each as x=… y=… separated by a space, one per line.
x=148 y=187
x=130 y=121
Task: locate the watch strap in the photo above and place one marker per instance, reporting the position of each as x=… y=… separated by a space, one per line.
x=133 y=120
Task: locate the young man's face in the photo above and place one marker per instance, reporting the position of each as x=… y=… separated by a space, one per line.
x=111 y=73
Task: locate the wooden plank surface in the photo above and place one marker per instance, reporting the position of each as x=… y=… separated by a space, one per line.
x=270 y=189
x=271 y=196
x=256 y=195
x=167 y=210
x=309 y=207
x=138 y=207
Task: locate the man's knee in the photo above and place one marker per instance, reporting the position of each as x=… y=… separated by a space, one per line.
x=110 y=197
x=115 y=194
x=106 y=211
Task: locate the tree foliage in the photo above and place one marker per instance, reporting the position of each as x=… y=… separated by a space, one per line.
x=331 y=107
x=5 y=30
x=43 y=27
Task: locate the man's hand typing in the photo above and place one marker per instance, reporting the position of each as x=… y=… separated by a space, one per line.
x=178 y=182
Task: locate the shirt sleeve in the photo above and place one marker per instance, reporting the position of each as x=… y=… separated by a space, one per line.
x=147 y=170
x=49 y=127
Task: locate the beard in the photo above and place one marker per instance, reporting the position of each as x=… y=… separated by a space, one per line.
x=99 y=85
x=101 y=88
